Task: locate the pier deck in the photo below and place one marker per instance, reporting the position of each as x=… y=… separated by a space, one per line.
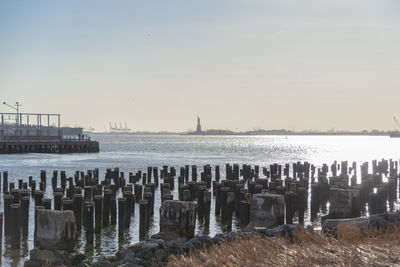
x=49 y=146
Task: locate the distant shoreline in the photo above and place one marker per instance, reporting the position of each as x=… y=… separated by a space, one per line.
x=255 y=133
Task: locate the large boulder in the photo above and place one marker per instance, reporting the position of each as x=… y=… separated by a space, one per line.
x=56 y=230
x=344 y=203
x=178 y=217
x=267 y=210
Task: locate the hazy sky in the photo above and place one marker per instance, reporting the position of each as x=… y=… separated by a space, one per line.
x=309 y=64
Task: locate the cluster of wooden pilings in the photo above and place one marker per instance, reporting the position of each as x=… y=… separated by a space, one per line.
x=113 y=200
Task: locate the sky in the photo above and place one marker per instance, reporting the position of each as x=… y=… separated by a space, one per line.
x=238 y=64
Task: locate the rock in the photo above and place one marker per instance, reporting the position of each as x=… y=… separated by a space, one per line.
x=187 y=246
x=76 y=258
x=217 y=240
x=161 y=254
x=160 y=242
x=178 y=217
x=136 y=247
x=205 y=241
x=148 y=255
x=122 y=253
x=166 y=236
x=233 y=235
x=195 y=242
x=378 y=222
x=222 y=236
x=102 y=262
x=267 y=210
x=130 y=258
x=344 y=203
x=56 y=230
x=150 y=246
x=37 y=254
x=174 y=247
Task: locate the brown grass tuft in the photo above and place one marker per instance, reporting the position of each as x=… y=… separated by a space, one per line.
x=351 y=248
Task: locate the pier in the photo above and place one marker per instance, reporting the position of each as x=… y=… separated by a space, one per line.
x=25 y=133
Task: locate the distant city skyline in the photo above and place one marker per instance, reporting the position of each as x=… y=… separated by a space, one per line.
x=238 y=65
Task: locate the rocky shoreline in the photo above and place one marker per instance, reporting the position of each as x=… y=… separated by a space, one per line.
x=156 y=250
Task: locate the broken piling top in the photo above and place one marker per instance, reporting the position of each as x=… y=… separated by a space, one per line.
x=56 y=230
x=267 y=210
x=178 y=217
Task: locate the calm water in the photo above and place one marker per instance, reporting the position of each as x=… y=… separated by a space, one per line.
x=132 y=153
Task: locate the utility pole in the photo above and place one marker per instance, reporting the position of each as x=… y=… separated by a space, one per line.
x=18 y=120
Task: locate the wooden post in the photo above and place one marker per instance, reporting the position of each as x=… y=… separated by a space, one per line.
x=58 y=200
x=113 y=210
x=67 y=204
x=88 y=215
x=1 y=236
x=106 y=207
x=78 y=206
x=121 y=215
x=25 y=215
x=8 y=200
x=16 y=226
x=142 y=219
x=46 y=202
x=98 y=202
x=5 y=182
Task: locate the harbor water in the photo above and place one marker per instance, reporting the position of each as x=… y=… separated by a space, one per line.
x=131 y=153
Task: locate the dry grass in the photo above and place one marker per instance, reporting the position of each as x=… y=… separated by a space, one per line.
x=351 y=248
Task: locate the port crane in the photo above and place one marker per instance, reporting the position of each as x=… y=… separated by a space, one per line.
x=119 y=129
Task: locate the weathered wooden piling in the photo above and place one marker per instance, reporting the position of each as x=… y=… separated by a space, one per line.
x=98 y=204
x=5 y=182
x=138 y=192
x=315 y=200
x=149 y=197
x=207 y=206
x=25 y=215
x=67 y=204
x=38 y=197
x=88 y=220
x=1 y=235
x=218 y=199
x=130 y=203
x=78 y=208
x=121 y=215
x=16 y=226
x=186 y=195
x=58 y=200
x=224 y=203
x=106 y=207
x=301 y=198
x=46 y=202
x=113 y=206
x=8 y=200
x=142 y=218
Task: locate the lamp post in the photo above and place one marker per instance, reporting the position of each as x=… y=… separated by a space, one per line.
x=17 y=121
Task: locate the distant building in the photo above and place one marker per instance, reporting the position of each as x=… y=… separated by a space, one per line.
x=198 y=130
